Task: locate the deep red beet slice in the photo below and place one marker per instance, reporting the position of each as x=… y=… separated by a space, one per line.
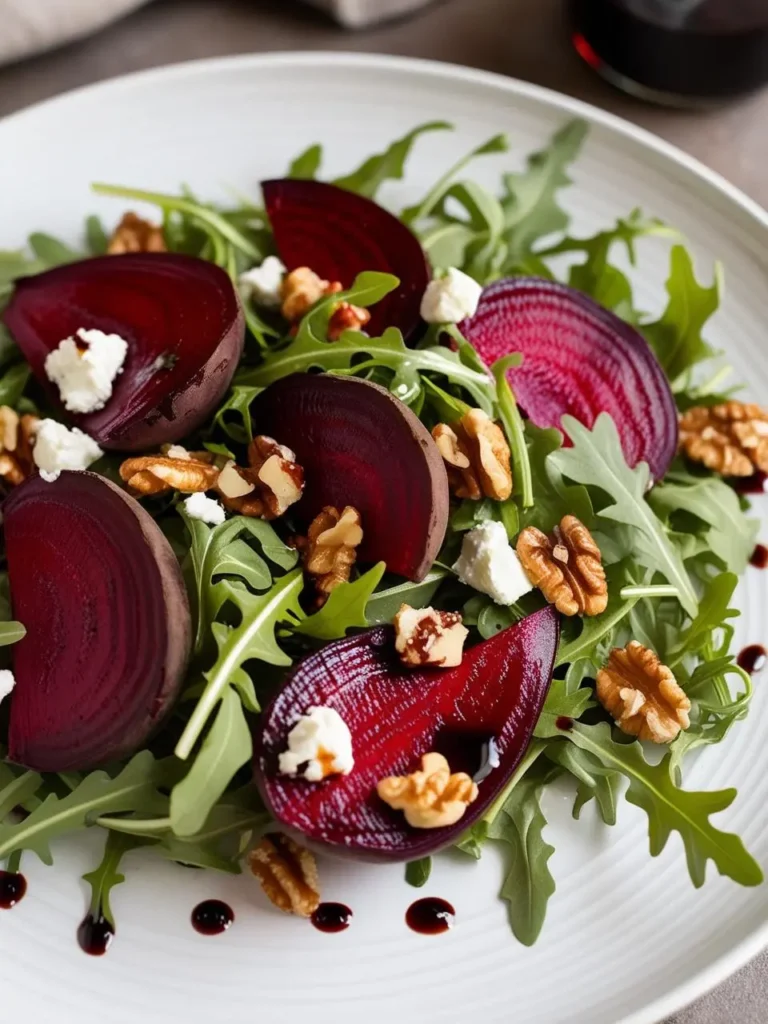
x=101 y=594
x=183 y=323
x=340 y=234
x=361 y=446
x=395 y=716
x=581 y=359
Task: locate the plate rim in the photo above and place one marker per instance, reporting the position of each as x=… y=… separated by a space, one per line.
x=703 y=981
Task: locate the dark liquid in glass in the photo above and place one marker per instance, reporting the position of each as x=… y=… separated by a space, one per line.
x=675 y=49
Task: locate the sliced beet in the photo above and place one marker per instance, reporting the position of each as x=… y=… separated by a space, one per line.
x=396 y=715
x=101 y=594
x=340 y=234
x=183 y=323
x=580 y=359
x=361 y=446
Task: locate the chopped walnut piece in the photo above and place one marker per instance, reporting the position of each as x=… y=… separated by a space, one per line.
x=431 y=797
x=566 y=567
x=476 y=455
x=157 y=474
x=17 y=438
x=301 y=289
x=280 y=478
x=134 y=234
x=424 y=636
x=330 y=548
x=642 y=694
x=287 y=873
x=347 y=317
x=233 y=482
x=731 y=439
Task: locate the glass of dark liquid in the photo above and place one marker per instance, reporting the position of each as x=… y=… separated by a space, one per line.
x=675 y=51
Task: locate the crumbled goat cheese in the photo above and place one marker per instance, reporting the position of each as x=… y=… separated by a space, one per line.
x=84 y=369
x=489 y=564
x=57 y=448
x=322 y=743
x=451 y=298
x=208 y=510
x=7 y=683
x=263 y=284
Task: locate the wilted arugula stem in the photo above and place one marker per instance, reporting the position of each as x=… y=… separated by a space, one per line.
x=134 y=826
x=513 y=423
x=14 y=862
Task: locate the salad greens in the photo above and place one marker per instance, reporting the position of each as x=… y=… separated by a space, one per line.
x=673 y=551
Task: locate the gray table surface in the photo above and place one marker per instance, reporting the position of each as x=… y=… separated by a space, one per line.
x=524 y=38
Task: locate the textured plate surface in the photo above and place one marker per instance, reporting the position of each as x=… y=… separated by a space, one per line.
x=627 y=937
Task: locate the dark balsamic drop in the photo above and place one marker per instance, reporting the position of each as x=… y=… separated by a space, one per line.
x=564 y=722
x=13 y=888
x=212 y=917
x=752 y=659
x=430 y=916
x=332 y=917
x=759 y=557
x=755 y=484
x=95 y=935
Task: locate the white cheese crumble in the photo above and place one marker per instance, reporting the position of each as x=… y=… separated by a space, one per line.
x=208 y=510
x=489 y=564
x=84 y=376
x=7 y=683
x=451 y=298
x=177 y=451
x=263 y=284
x=322 y=743
x=57 y=448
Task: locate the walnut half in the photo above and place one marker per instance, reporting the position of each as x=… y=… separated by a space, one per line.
x=17 y=438
x=431 y=797
x=642 y=694
x=134 y=234
x=287 y=873
x=330 y=548
x=731 y=438
x=566 y=567
x=476 y=456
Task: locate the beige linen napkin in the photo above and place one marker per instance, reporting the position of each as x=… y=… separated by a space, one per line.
x=29 y=26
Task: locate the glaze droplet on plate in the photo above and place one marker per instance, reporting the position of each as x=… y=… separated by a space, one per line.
x=752 y=659
x=430 y=916
x=212 y=917
x=332 y=917
x=95 y=935
x=13 y=888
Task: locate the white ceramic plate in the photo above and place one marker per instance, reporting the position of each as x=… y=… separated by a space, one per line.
x=627 y=937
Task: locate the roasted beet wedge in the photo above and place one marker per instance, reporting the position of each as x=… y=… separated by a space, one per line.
x=360 y=446
x=396 y=715
x=183 y=323
x=339 y=234
x=100 y=592
x=581 y=359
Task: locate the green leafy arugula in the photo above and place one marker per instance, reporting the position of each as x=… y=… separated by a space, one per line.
x=384 y=604
x=386 y=166
x=11 y=633
x=103 y=879
x=418 y=871
x=596 y=459
x=669 y=808
x=345 y=608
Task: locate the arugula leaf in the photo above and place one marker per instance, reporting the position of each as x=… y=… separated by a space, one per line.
x=307 y=164
x=596 y=459
x=310 y=350
x=731 y=535
x=254 y=637
x=529 y=883
x=133 y=789
x=16 y=789
x=344 y=609
x=12 y=384
x=597 y=628
x=670 y=808
x=594 y=780
x=712 y=613
x=418 y=871
x=512 y=422
x=560 y=703
x=95 y=236
x=676 y=336
x=383 y=605
x=51 y=251
x=553 y=497
x=226 y=748
x=433 y=199
x=222 y=551
x=530 y=204
x=236 y=407
x=11 y=633
x=389 y=165
x=106 y=875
